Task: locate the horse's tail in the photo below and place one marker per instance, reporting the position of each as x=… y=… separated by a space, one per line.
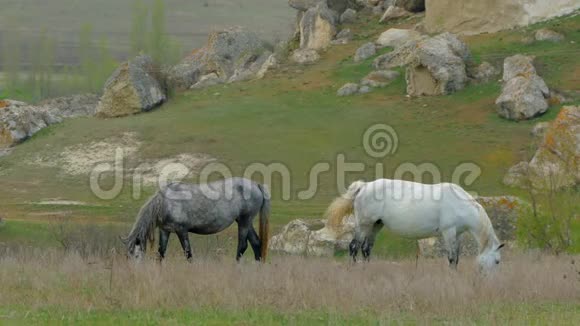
x=264 y=222
x=343 y=206
x=146 y=222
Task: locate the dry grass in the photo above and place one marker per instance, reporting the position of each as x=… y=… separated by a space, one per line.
x=53 y=279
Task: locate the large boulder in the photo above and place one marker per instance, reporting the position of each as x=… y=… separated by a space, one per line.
x=524 y=94
x=133 y=88
x=233 y=54
x=73 y=106
x=545 y=34
x=19 y=121
x=395 y=37
x=556 y=163
x=313 y=238
x=437 y=66
x=470 y=17
x=318 y=27
x=503 y=211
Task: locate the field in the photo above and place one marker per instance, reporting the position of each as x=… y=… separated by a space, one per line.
x=529 y=289
x=293 y=117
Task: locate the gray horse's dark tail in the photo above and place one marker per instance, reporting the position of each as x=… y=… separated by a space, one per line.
x=264 y=223
x=146 y=222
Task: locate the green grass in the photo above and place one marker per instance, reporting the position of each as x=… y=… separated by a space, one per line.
x=514 y=314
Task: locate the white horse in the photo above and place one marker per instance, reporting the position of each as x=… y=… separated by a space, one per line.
x=416 y=211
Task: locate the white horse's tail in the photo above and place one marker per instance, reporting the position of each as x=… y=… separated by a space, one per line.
x=343 y=206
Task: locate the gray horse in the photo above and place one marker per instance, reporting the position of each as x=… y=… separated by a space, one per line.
x=203 y=209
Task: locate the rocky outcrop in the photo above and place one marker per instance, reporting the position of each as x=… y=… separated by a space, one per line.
x=233 y=54
x=133 y=88
x=364 y=52
x=19 y=121
x=395 y=37
x=470 y=17
x=317 y=27
x=312 y=238
x=524 y=93
x=503 y=212
x=437 y=66
x=556 y=163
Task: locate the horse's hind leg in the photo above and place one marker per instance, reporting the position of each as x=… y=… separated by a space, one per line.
x=163 y=239
x=369 y=241
x=184 y=240
x=450 y=237
x=243 y=230
x=255 y=242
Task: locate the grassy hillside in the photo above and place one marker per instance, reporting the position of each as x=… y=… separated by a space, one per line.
x=294 y=117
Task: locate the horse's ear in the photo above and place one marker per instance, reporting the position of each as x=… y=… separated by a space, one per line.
x=500 y=246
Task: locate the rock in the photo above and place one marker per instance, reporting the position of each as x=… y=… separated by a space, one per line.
x=347 y=89
x=503 y=211
x=518 y=65
x=73 y=106
x=556 y=163
x=437 y=66
x=303 y=5
x=348 y=16
x=366 y=51
x=399 y=57
x=545 y=34
x=338 y=6
x=270 y=63
x=539 y=129
x=523 y=98
x=344 y=34
x=412 y=5
x=233 y=54
x=343 y=37
x=485 y=72
x=294 y=236
x=313 y=238
x=524 y=94
x=395 y=37
x=393 y=13
x=208 y=80
x=317 y=27
x=470 y=17
x=380 y=78
x=133 y=88
x=364 y=89
x=305 y=56
x=517 y=175
x=19 y=121
x=378 y=11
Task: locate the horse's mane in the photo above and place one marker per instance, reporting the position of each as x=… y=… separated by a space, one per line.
x=486 y=234
x=145 y=223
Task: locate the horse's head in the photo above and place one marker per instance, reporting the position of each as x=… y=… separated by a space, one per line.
x=134 y=248
x=490 y=258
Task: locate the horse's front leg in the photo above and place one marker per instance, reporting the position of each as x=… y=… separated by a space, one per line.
x=163 y=240
x=184 y=240
x=450 y=237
